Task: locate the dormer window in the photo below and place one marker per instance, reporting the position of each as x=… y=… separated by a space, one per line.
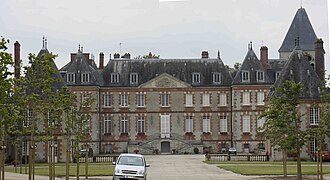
x=70 y=77
x=134 y=78
x=277 y=74
x=85 y=77
x=245 y=76
x=114 y=78
x=216 y=78
x=260 y=76
x=196 y=78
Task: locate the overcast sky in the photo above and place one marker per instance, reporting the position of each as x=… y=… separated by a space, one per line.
x=169 y=28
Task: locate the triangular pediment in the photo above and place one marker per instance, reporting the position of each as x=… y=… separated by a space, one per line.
x=165 y=81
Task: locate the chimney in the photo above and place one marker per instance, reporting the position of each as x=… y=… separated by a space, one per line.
x=73 y=56
x=264 y=56
x=101 y=60
x=319 y=59
x=205 y=54
x=17 y=58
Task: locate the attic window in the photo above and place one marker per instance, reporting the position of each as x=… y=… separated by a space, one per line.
x=114 y=78
x=277 y=74
x=70 y=78
x=196 y=78
x=245 y=76
x=85 y=77
x=260 y=76
x=216 y=78
x=134 y=78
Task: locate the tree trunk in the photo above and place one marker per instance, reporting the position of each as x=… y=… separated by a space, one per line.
x=284 y=155
x=67 y=164
x=299 y=173
x=86 y=163
x=50 y=176
x=321 y=166
x=77 y=159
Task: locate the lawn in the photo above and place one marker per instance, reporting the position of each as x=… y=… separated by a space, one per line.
x=268 y=168
x=94 y=169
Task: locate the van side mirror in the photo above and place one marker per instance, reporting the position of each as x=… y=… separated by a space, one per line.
x=147 y=165
x=113 y=163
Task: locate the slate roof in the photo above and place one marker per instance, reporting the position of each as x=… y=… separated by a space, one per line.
x=181 y=69
x=252 y=65
x=300 y=27
x=299 y=69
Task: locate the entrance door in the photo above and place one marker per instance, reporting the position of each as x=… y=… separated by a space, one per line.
x=165 y=126
x=165 y=147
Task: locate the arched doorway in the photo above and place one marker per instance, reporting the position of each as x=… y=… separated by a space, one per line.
x=165 y=147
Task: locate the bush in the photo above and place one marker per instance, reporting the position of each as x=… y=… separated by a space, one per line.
x=196 y=150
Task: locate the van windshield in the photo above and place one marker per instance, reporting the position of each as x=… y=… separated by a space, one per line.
x=130 y=160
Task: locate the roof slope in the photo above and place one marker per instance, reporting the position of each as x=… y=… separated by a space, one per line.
x=300 y=27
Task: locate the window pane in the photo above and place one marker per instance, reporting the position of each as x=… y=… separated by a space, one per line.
x=206 y=99
x=223 y=124
x=189 y=124
x=246 y=124
x=246 y=98
x=206 y=124
x=223 y=99
x=189 y=100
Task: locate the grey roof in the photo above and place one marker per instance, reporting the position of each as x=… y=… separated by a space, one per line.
x=300 y=27
x=298 y=69
x=81 y=65
x=251 y=64
x=181 y=69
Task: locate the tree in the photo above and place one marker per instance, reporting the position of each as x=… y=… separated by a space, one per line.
x=282 y=125
x=237 y=66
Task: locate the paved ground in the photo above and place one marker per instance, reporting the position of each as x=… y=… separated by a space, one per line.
x=175 y=167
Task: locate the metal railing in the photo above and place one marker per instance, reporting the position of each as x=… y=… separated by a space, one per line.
x=231 y=157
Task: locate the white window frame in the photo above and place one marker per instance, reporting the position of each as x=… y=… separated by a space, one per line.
x=260 y=124
x=51 y=118
x=124 y=124
x=206 y=99
x=313 y=146
x=141 y=100
x=206 y=124
x=217 y=78
x=141 y=124
x=246 y=98
x=314 y=116
x=223 y=124
x=134 y=78
x=189 y=99
x=124 y=100
x=85 y=77
x=189 y=124
x=28 y=119
x=260 y=76
x=107 y=100
x=223 y=99
x=246 y=124
x=165 y=100
x=260 y=98
x=107 y=129
x=196 y=78
x=114 y=78
x=245 y=76
x=84 y=99
x=71 y=77
x=86 y=126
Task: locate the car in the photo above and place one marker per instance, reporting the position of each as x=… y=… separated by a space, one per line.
x=130 y=166
x=232 y=150
x=325 y=156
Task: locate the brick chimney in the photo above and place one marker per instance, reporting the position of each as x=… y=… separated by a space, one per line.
x=319 y=59
x=205 y=54
x=17 y=59
x=264 y=56
x=101 y=60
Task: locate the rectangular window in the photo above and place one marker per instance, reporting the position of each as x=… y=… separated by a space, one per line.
x=140 y=124
x=165 y=98
x=70 y=77
x=124 y=100
x=223 y=99
x=134 y=78
x=51 y=118
x=246 y=124
x=106 y=100
x=206 y=99
x=260 y=98
x=189 y=124
x=114 y=78
x=314 y=116
x=84 y=77
x=223 y=124
x=216 y=78
x=313 y=146
x=260 y=76
x=189 y=99
x=206 y=124
x=107 y=125
x=246 y=98
x=28 y=119
x=85 y=102
x=260 y=124
x=124 y=125
x=86 y=124
x=140 y=100
x=245 y=76
x=196 y=78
